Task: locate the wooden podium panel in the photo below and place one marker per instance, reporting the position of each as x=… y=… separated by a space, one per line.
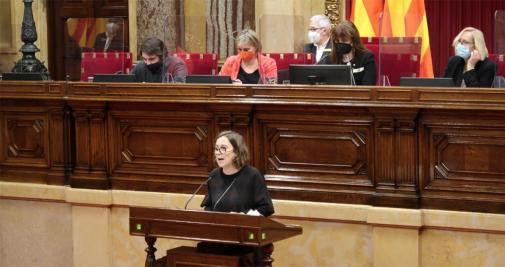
x=189 y=256
x=216 y=227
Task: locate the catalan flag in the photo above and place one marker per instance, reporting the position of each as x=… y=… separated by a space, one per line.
x=407 y=18
x=365 y=15
x=84 y=30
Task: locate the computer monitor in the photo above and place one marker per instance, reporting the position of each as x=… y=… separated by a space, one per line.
x=320 y=74
x=24 y=76
x=114 y=78
x=208 y=79
x=426 y=82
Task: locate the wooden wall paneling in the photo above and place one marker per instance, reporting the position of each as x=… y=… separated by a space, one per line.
x=396 y=147
x=68 y=143
x=462 y=156
x=318 y=153
x=160 y=149
x=3 y=145
x=90 y=145
x=236 y=118
x=110 y=8
x=27 y=128
x=396 y=158
x=56 y=142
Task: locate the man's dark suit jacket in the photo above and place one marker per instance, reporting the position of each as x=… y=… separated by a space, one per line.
x=363 y=68
x=481 y=76
x=116 y=44
x=311 y=48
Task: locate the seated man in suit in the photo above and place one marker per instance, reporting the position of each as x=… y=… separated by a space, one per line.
x=319 y=36
x=157 y=65
x=111 y=39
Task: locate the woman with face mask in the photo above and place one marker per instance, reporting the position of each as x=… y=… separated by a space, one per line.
x=470 y=63
x=249 y=66
x=348 y=49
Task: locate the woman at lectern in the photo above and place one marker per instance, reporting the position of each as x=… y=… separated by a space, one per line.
x=470 y=63
x=236 y=186
x=348 y=49
x=249 y=66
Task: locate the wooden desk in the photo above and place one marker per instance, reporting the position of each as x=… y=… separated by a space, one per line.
x=436 y=148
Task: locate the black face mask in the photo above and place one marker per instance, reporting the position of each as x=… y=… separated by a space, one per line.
x=155 y=67
x=343 y=48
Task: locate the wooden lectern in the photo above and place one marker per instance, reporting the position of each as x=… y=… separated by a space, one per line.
x=215 y=227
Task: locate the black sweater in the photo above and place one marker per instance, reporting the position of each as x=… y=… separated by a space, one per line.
x=481 y=76
x=248 y=192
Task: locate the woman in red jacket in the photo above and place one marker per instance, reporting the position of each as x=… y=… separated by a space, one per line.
x=249 y=66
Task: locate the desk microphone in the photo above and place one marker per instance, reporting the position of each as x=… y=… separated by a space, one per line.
x=196 y=191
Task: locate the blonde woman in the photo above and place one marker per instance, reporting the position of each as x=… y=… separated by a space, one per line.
x=249 y=66
x=470 y=63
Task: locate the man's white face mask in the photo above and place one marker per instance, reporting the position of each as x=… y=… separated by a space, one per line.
x=314 y=37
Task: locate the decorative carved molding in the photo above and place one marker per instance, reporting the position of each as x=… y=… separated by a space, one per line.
x=334 y=10
x=25 y=138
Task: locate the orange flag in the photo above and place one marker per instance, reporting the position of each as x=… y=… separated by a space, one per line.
x=365 y=15
x=407 y=18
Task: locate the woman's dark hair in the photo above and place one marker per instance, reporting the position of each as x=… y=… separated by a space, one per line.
x=153 y=46
x=345 y=30
x=239 y=147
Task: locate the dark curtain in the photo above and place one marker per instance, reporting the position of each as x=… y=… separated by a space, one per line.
x=447 y=17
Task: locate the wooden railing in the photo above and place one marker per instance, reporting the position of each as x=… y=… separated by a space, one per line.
x=440 y=148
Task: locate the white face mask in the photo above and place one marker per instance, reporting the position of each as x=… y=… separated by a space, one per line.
x=314 y=37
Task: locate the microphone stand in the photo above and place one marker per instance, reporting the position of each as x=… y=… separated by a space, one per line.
x=196 y=191
x=224 y=193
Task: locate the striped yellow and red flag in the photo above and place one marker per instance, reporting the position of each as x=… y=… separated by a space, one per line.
x=407 y=18
x=365 y=15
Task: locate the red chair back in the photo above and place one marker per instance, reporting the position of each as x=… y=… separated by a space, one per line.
x=283 y=60
x=104 y=63
x=200 y=63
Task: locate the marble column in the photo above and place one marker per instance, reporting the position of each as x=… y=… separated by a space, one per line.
x=157 y=18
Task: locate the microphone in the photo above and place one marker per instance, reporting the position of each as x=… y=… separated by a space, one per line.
x=196 y=191
x=224 y=193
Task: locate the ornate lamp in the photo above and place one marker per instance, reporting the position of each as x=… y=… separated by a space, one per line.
x=29 y=63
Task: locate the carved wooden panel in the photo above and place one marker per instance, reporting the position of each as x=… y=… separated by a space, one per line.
x=396 y=169
x=468 y=157
x=163 y=147
x=317 y=153
x=310 y=144
x=463 y=155
x=291 y=150
x=90 y=146
x=31 y=149
x=26 y=139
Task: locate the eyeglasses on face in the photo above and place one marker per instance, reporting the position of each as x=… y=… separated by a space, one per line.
x=465 y=42
x=222 y=149
x=313 y=29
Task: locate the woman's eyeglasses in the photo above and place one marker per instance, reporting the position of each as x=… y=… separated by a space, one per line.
x=466 y=43
x=221 y=149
